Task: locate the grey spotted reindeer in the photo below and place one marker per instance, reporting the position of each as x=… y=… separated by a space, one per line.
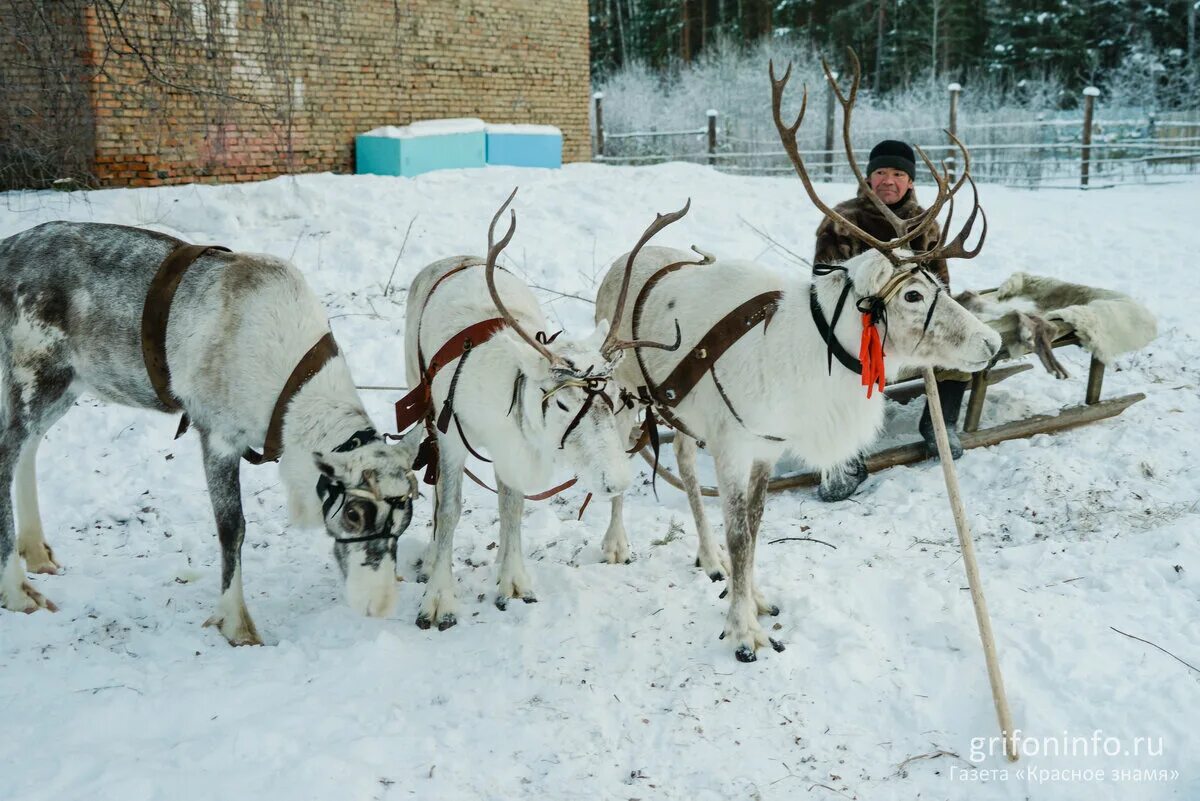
x=240 y=344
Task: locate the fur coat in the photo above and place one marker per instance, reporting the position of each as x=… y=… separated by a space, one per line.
x=835 y=244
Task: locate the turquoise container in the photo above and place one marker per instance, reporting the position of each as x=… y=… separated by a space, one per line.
x=524 y=145
x=421 y=147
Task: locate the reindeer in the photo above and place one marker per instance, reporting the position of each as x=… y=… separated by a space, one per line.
x=73 y=306
x=748 y=393
x=531 y=402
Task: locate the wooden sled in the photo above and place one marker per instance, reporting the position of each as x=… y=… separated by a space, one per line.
x=1092 y=410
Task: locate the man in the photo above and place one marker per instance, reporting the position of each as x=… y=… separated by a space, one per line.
x=890 y=172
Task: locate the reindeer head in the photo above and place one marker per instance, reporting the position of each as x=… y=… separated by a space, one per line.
x=366 y=491
x=570 y=405
x=570 y=384
x=921 y=324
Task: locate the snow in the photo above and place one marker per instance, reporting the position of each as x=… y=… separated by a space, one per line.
x=615 y=685
x=442 y=127
x=527 y=130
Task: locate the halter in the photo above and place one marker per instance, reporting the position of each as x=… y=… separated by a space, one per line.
x=873 y=308
x=331 y=491
x=593 y=386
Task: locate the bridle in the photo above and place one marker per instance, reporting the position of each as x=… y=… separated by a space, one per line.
x=874 y=312
x=335 y=493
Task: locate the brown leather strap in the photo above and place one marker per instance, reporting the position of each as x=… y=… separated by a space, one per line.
x=155 y=313
x=713 y=345
x=541 y=496
x=635 y=320
x=308 y=366
x=418 y=403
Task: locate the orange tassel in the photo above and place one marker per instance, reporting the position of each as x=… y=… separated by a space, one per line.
x=870 y=353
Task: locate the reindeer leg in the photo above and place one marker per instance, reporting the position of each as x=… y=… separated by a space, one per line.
x=710 y=558
x=440 y=606
x=756 y=502
x=514 y=581
x=16 y=594
x=222 y=472
x=741 y=624
x=37 y=399
x=31 y=541
x=615 y=548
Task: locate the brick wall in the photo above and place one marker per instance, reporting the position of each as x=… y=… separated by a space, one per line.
x=218 y=90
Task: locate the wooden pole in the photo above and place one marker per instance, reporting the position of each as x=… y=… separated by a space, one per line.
x=829 y=123
x=968 y=553
x=1089 y=100
x=954 y=90
x=598 y=97
x=712 y=136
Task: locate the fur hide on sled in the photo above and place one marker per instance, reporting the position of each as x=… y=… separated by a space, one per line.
x=1030 y=309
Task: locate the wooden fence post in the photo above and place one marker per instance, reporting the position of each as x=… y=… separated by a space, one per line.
x=829 y=130
x=1089 y=102
x=954 y=90
x=712 y=136
x=598 y=97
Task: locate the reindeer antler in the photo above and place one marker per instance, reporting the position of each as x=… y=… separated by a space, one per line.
x=906 y=230
x=490 y=273
x=612 y=343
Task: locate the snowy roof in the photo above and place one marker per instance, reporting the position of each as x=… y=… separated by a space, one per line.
x=457 y=125
x=510 y=128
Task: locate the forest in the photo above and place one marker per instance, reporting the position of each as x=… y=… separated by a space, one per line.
x=1075 y=43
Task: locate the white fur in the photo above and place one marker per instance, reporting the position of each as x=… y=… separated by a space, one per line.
x=1108 y=323
x=777 y=378
x=524 y=443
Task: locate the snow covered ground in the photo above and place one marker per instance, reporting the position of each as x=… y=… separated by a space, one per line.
x=615 y=686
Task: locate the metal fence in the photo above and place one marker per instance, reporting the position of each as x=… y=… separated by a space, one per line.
x=1067 y=149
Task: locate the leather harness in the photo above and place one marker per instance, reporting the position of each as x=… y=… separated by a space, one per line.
x=155 y=315
x=666 y=395
x=417 y=404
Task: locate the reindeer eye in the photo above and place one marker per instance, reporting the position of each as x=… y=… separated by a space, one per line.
x=912 y=296
x=561 y=405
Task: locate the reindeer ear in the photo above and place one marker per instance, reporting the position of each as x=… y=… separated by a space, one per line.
x=325 y=467
x=332 y=465
x=869 y=272
x=598 y=336
x=529 y=361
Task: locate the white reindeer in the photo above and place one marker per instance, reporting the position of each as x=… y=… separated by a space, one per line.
x=71 y=306
x=775 y=388
x=532 y=403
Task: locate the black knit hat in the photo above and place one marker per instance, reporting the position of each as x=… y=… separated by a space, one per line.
x=890 y=153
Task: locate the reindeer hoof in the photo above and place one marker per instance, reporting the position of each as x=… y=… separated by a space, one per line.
x=776 y=644
x=529 y=599
x=422 y=578
x=716 y=576
x=423 y=622
x=745 y=654
x=501 y=602
x=724 y=592
x=446 y=622
x=39 y=558
x=773 y=611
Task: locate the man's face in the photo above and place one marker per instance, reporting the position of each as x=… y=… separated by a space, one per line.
x=890 y=184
